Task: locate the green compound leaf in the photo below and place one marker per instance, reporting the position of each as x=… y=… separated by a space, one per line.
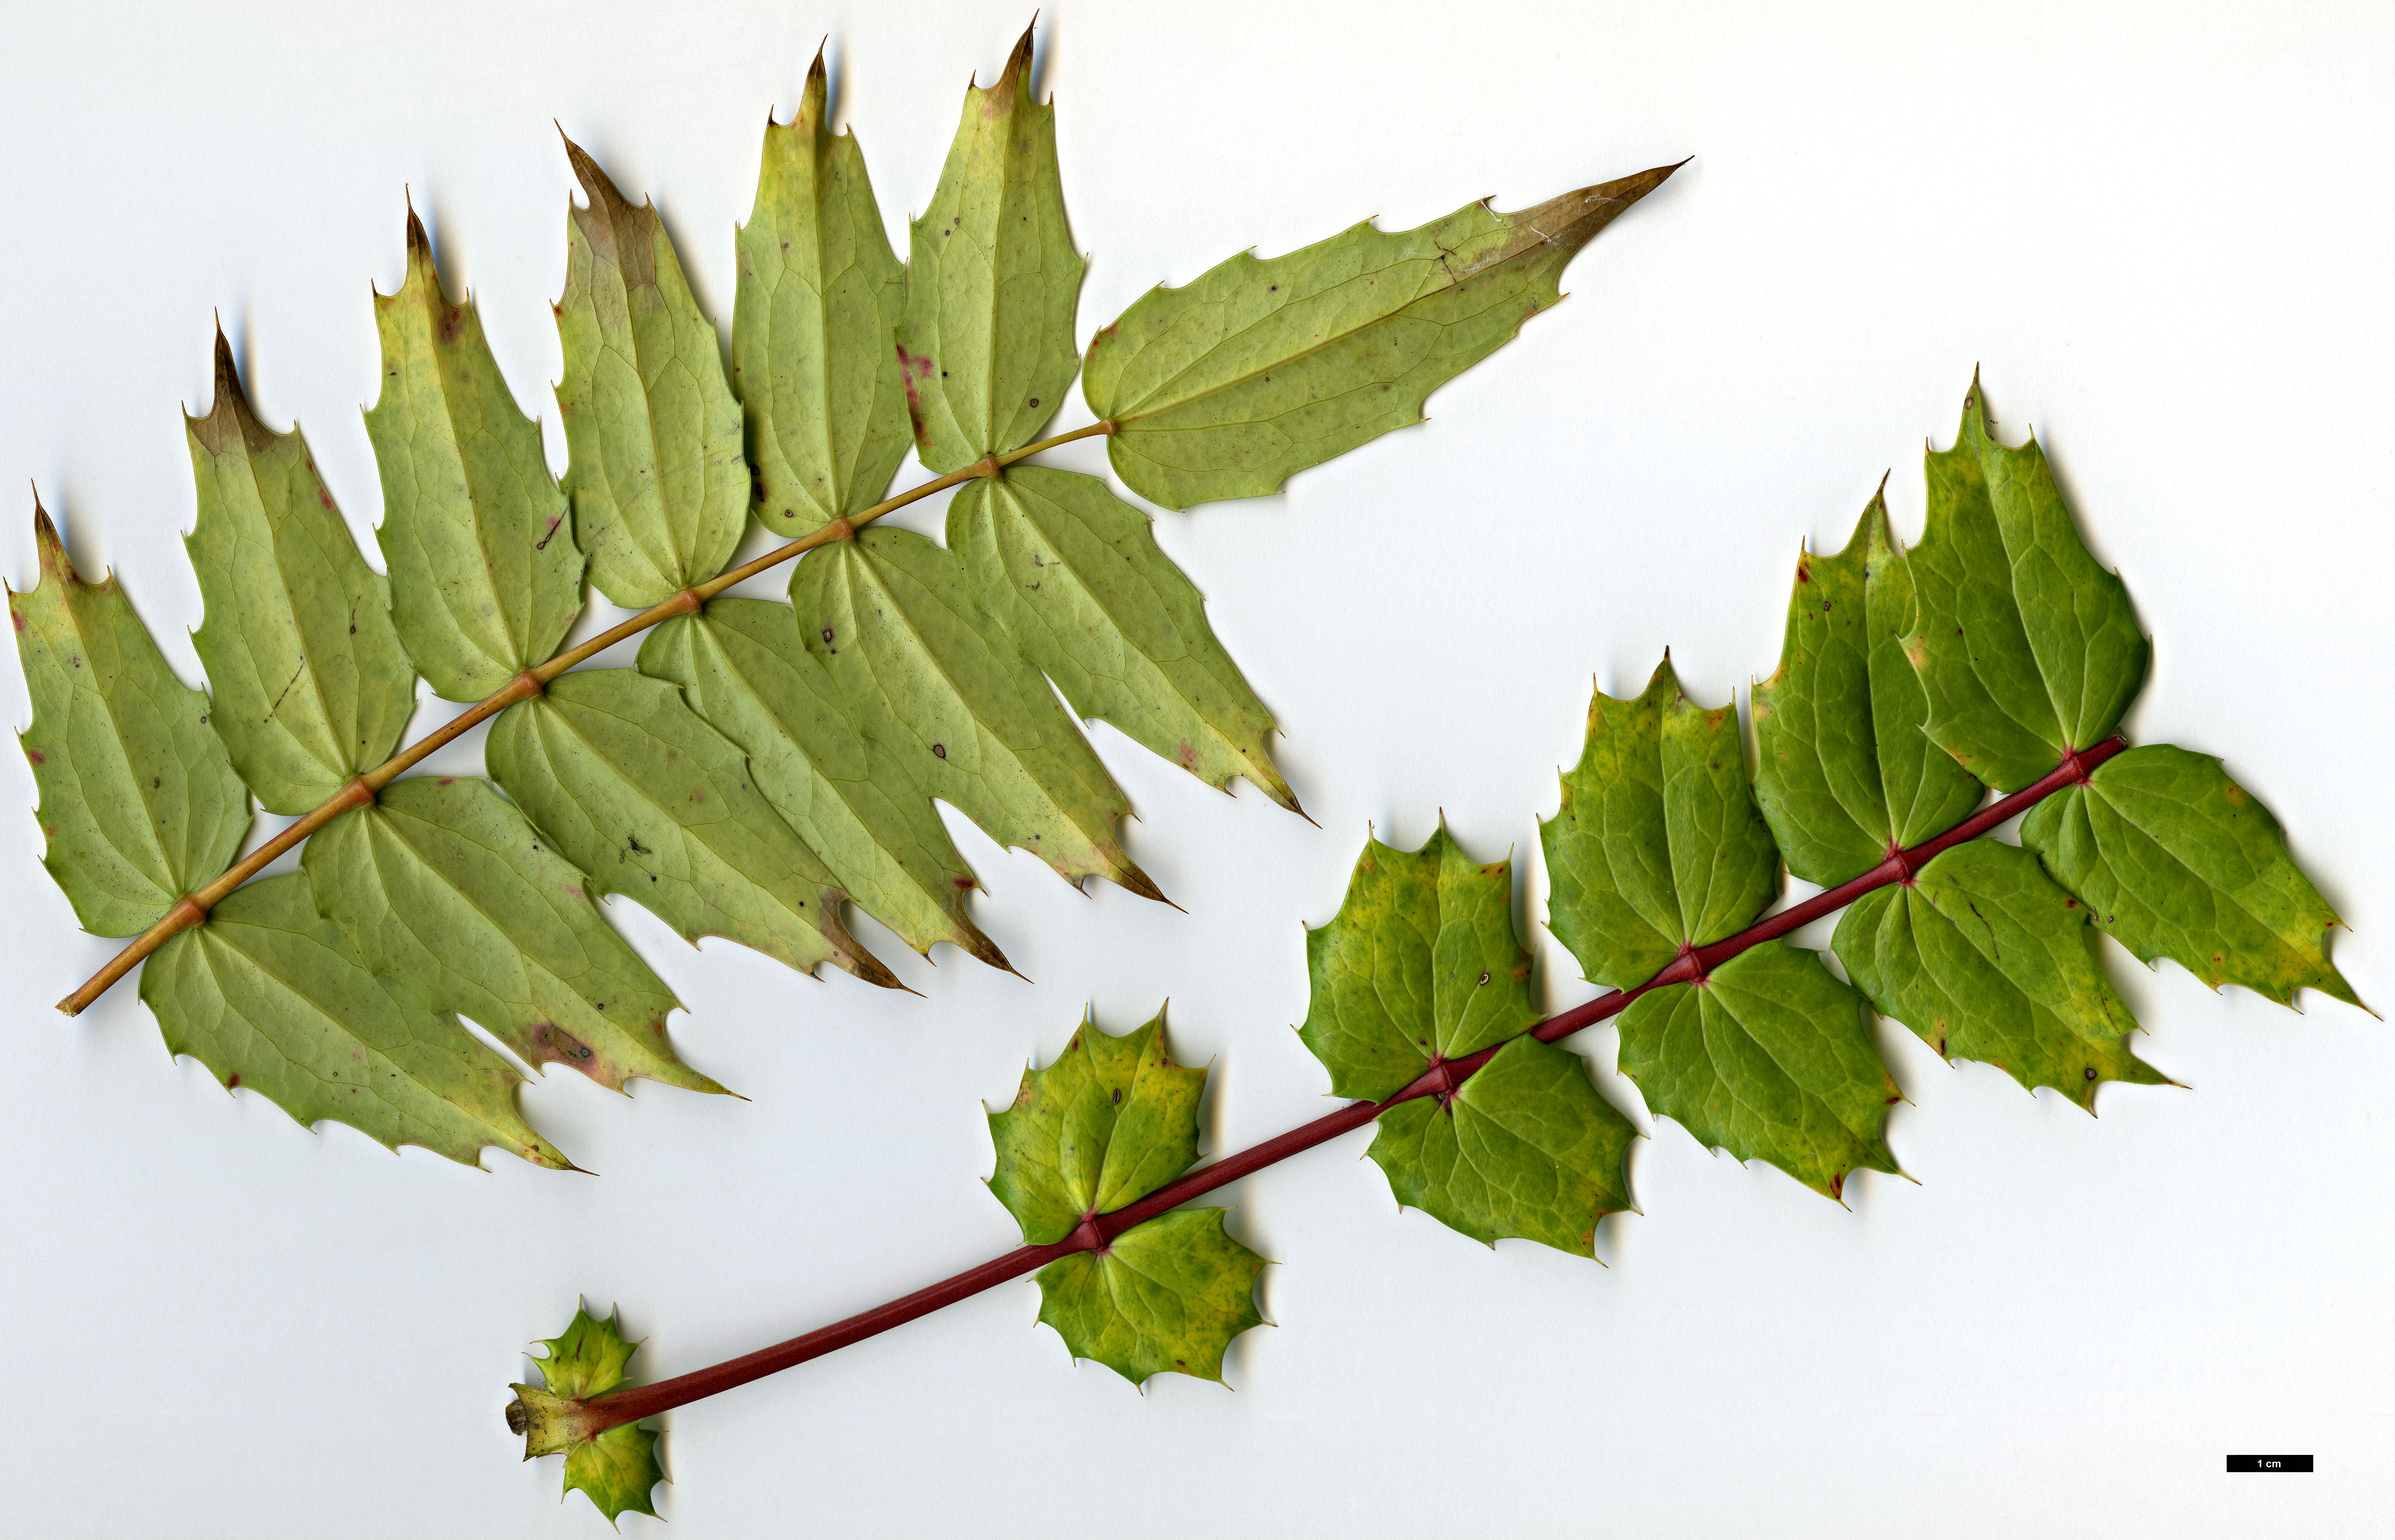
x=1165 y=1298
x=1112 y=1120
x=742 y=665
x=443 y=884
x=659 y=490
x=309 y=685
x=1985 y=958
x=2178 y=860
x=963 y=716
x=1770 y=1059
x=139 y=804
x=1844 y=773
x=1419 y=964
x=1259 y=369
x=485 y=574
x=1658 y=844
x=985 y=346
x=269 y=995
x=2027 y=649
x=819 y=296
x=653 y=803
x=616 y=1470
x=1074 y=574
x=1525 y=1148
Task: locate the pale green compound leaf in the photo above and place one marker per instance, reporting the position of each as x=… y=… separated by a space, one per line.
x=2178 y=860
x=1658 y=845
x=744 y=669
x=1843 y=772
x=1525 y=1148
x=1985 y=958
x=1420 y=966
x=1073 y=573
x=139 y=804
x=1258 y=370
x=963 y=716
x=485 y=578
x=1165 y=1298
x=442 y=885
x=659 y=490
x=308 y=683
x=616 y=1470
x=1109 y=1122
x=819 y=297
x=653 y=803
x=1771 y=1059
x=985 y=346
x=2027 y=649
x=271 y=997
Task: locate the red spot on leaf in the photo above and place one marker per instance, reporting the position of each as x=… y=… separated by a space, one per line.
x=37 y=756
x=233 y=1080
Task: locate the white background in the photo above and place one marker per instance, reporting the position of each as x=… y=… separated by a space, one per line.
x=2165 y=233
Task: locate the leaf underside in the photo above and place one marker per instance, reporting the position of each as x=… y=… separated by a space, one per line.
x=485 y=577
x=443 y=884
x=767 y=764
x=272 y=997
x=139 y=804
x=1257 y=370
x=308 y=684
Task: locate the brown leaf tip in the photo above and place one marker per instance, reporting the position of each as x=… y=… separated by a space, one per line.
x=50 y=550
x=595 y=183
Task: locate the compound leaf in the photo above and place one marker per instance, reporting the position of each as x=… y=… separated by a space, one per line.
x=1843 y=772
x=1985 y=958
x=1112 y=1120
x=307 y=681
x=2027 y=649
x=616 y=1470
x=985 y=347
x=1658 y=845
x=1259 y=369
x=1771 y=1059
x=659 y=490
x=1074 y=574
x=1525 y=1148
x=485 y=574
x=742 y=665
x=442 y=885
x=820 y=294
x=632 y=787
x=269 y=994
x=1165 y=1298
x=2178 y=860
x=139 y=804
x=963 y=716
x=1420 y=965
